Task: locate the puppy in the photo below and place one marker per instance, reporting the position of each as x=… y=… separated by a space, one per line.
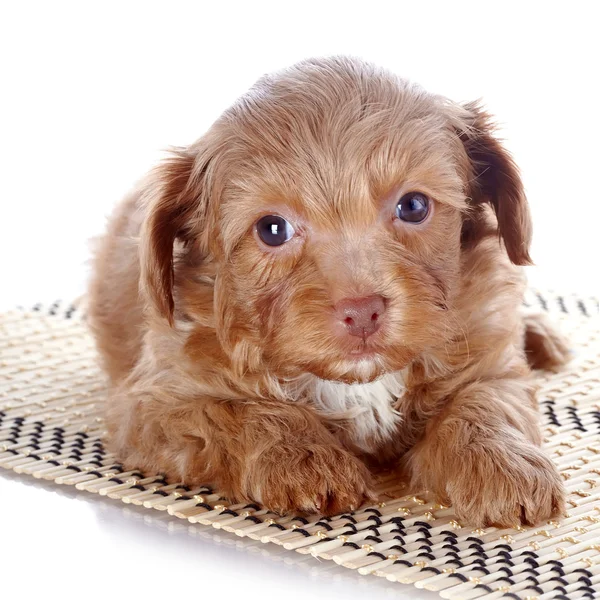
x=329 y=279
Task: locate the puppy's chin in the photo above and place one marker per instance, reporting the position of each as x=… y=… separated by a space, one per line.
x=341 y=365
x=360 y=370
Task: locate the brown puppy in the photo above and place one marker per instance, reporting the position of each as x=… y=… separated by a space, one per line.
x=328 y=278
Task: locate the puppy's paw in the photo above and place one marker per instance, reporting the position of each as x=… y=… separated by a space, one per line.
x=311 y=479
x=505 y=485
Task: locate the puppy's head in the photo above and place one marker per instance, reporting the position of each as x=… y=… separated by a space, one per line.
x=322 y=220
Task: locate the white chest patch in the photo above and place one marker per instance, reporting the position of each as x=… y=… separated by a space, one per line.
x=368 y=406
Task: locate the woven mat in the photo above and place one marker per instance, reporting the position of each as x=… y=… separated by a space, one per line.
x=51 y=427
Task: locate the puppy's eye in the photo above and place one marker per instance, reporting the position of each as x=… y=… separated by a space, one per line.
x=413 y=207
x=274 y=230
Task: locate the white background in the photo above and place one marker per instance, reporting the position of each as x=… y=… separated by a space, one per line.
x=90 y=93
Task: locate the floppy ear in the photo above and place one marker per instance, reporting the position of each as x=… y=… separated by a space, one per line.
x=176 y=203
x=495 y=179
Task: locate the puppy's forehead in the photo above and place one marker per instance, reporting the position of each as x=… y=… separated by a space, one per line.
x=330 y=139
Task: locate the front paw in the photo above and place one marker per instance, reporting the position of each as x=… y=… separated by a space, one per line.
x=504 y=485
x=311 y=479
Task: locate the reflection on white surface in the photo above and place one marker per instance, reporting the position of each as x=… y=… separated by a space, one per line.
x=58 y=542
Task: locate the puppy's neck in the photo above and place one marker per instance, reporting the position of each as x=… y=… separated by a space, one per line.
x=366 y=409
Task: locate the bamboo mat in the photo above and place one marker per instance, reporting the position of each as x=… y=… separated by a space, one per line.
x=51 y=427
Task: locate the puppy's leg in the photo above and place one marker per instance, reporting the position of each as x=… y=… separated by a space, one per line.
x=279 y=455
x=545 y=347
x=482 y=454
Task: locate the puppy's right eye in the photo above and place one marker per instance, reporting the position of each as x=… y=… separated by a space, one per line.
x=274 y=230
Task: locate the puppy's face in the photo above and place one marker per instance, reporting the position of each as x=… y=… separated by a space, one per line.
x=345 y=261
x=332 y=203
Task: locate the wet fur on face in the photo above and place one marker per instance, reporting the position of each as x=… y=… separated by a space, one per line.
x=228 y=358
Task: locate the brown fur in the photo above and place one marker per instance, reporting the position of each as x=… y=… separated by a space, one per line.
x=209 y=337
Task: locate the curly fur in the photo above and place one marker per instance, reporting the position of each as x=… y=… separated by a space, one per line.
x=225 y=359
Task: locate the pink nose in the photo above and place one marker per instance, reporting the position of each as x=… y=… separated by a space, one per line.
x=361 y=316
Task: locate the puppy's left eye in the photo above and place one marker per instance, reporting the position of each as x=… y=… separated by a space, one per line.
x=274 y=230
x=413 y=207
